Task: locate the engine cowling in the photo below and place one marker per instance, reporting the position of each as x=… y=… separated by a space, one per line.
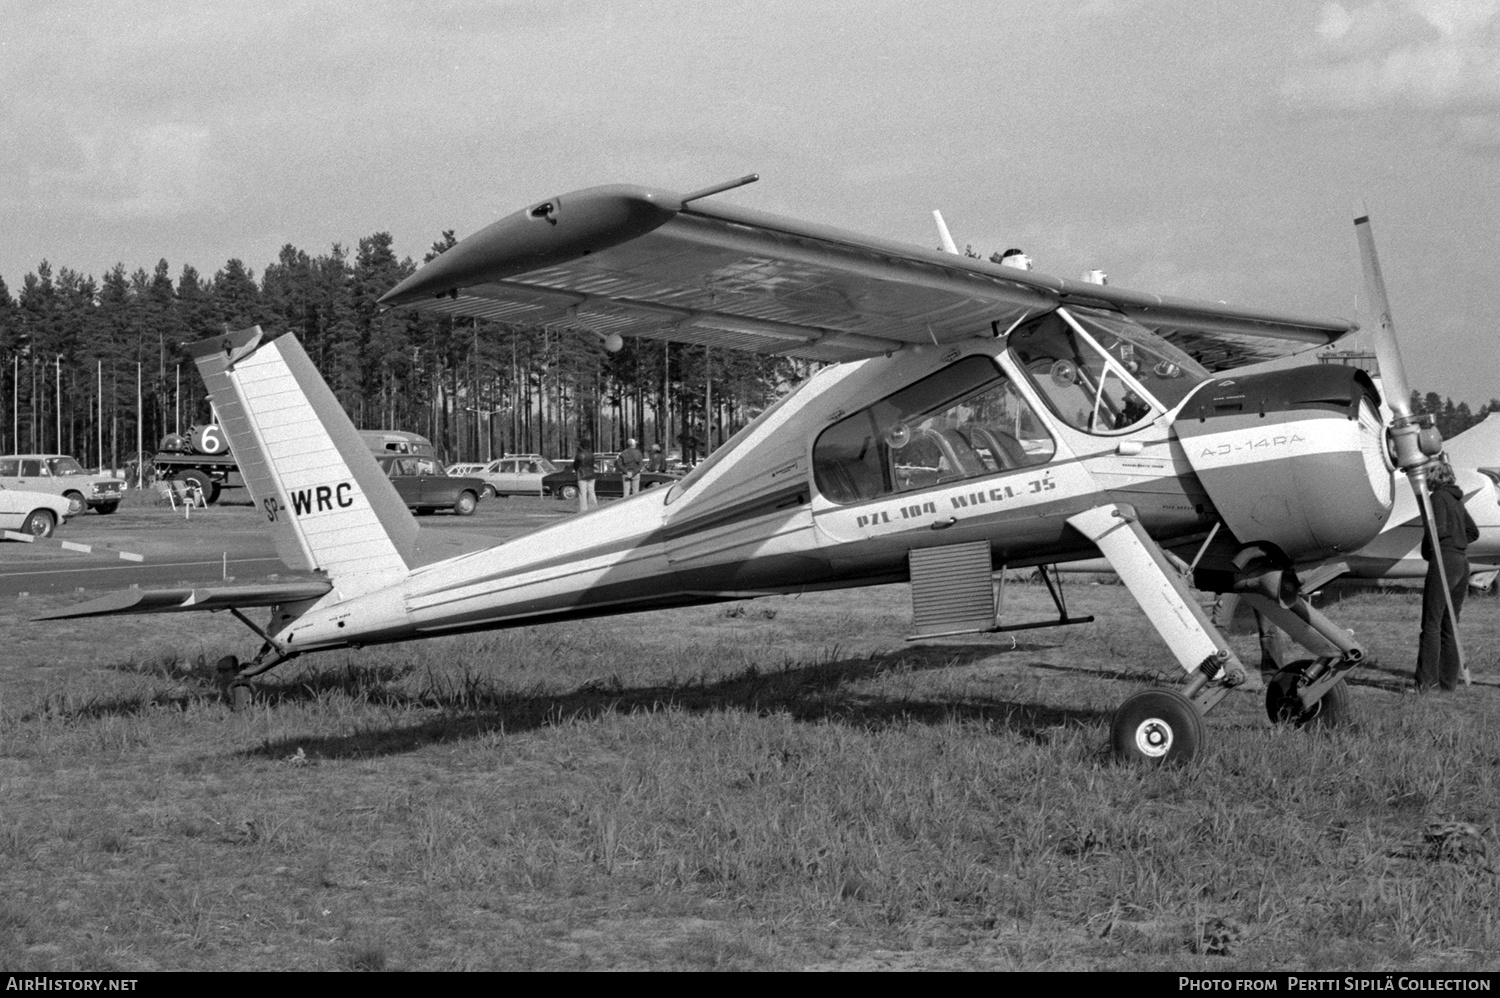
x=1295 y=459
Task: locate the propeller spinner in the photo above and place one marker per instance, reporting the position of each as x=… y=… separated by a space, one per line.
x=1415 y=442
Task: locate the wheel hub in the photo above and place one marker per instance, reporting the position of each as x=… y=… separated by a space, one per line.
x=1153 y=737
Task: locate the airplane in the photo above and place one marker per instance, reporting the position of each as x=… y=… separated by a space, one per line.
x=972 y=418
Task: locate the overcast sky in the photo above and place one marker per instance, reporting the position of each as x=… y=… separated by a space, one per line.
x=1204 y=149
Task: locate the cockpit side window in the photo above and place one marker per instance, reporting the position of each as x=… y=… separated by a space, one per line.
x=965 y=421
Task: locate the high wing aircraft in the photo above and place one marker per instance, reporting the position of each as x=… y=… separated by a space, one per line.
x=980 y=418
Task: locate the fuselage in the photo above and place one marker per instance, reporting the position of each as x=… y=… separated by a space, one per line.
x=999 y=440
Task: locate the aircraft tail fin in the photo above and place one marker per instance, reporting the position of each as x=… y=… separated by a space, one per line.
x=1476 y=447
x=329 y=505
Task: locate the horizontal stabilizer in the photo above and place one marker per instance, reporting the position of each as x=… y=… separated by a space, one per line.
x=186 y=600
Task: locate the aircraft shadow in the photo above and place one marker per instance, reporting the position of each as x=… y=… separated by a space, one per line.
x=816 y=692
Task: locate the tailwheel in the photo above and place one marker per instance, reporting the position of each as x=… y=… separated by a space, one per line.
x=1157 y=726
x=236 y=692
x=241 y=695
x=1331 y=710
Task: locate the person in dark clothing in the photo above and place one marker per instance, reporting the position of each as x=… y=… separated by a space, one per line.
x=631 y=461
x=1455 y=530
x=583 y=467
x=657 y=461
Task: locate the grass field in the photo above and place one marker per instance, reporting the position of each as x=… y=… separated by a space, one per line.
x=778 y=784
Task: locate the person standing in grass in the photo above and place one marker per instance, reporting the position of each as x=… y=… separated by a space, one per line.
x=1455 y=530
x=583 y=467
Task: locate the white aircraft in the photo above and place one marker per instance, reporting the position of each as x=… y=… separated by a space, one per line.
x=982 y=417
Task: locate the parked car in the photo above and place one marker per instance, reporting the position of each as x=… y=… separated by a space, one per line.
x=424 y=486
x=63 y=476
x=518 y=474
x=35 y=513
x=608 y=482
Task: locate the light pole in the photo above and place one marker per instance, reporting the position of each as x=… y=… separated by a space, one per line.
x=489 y=451
x=59 y=404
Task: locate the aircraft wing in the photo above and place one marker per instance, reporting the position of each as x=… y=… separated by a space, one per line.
x=636 y=261
x=187 y=600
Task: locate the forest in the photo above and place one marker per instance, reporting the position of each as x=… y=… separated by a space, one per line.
x=99 y=369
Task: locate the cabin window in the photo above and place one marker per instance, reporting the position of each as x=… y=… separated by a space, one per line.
x=966 y=421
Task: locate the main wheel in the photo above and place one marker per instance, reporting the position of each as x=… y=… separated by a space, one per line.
x=75 y=502
x=106 y=508
x=489 y=492
x=467 y=501
x=1282 y=706
x=1157 y=726
x=40 y=523
x=568 y=492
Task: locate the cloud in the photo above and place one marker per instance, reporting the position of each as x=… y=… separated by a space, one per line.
x=1435 y=56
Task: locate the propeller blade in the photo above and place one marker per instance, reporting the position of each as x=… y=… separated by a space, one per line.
x=1415 y=445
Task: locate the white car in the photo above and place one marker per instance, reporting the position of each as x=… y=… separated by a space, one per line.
x=34 y=513
x=61 y=474
x=517 y=475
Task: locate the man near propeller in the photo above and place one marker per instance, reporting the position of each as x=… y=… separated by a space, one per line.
x=1417 y=448
x=1451 y=531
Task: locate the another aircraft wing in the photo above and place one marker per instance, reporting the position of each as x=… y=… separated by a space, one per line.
x=636 y=261
x=187 y=600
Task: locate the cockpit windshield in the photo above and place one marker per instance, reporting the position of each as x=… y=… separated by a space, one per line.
x=1100 y=372
x=1162 y=369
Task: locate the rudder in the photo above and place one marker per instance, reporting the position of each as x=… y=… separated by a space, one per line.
x=329 y=505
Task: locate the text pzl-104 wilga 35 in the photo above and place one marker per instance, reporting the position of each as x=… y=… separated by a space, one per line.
x=980 y=418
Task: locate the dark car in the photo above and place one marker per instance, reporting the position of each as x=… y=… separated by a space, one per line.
x=608 y=482
x=424 y=486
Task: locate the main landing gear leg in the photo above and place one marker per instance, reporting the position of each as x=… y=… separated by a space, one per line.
x=1162 y=725
x=1310 y=692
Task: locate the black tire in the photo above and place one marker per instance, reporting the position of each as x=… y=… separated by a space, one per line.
x=1157 y=727
x=76 y=502
x=1333 y=709
x=466 y=504
x=489 y=492
x=106 y=508
x=568 y=492
x=213 y=493
x=40 y=523
x=205 y=485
